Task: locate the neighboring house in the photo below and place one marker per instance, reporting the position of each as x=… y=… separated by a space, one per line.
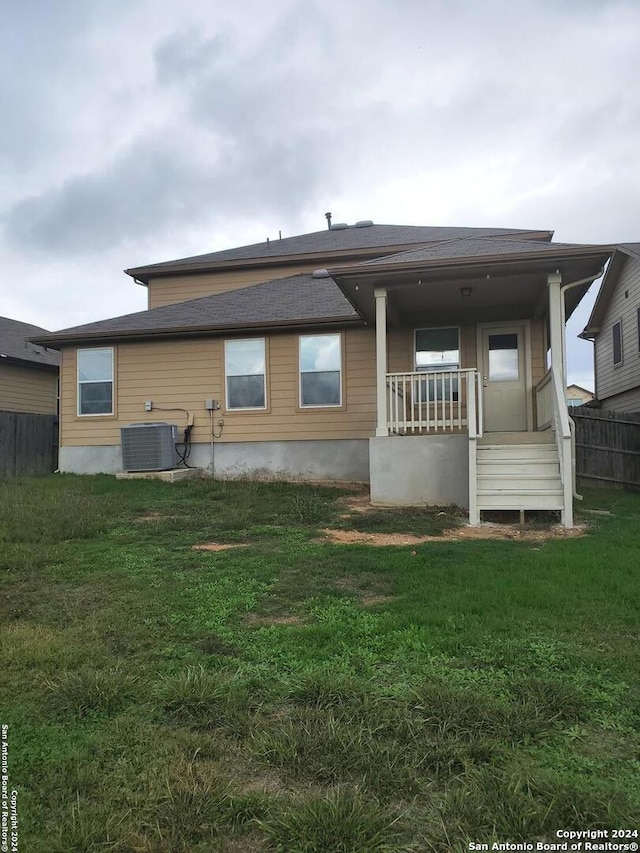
x=412 y=358
x=614 y=327
x=578 y=396
x=28 y=371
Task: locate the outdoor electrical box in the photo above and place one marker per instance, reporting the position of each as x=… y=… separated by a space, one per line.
x=212 y=405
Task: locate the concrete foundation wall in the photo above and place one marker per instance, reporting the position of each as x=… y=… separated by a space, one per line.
x=339 y=459
x=90 y=460
x=419 y=470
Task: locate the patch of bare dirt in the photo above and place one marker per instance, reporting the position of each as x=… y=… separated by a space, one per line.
x=263 y=785
x=153 y=516
x=362 y=587
x=485 y=531
x=374 y=600
x=217 y=546
x=356 y=503
x=281 y=619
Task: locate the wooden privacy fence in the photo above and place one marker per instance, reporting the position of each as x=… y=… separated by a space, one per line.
x=607 y=447
x=28 y=443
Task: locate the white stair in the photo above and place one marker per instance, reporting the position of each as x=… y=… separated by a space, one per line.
x=518 y=472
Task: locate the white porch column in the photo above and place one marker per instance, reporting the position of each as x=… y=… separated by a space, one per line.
x=559 y=381
x=556 y=330
x=381 y=360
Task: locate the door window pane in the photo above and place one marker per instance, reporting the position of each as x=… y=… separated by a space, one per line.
x=503 y=358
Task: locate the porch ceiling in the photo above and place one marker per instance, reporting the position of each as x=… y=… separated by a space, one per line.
x=499 y=291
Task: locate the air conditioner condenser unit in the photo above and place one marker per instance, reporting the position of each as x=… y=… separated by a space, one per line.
x=149 y=447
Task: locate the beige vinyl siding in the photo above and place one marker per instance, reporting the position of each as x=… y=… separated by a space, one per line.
x=612 y=380
x=401 y=348
x=538 y=351
x=28 y=389
x=183 y=374
x=169 y=289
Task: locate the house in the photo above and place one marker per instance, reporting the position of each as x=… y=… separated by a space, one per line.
x=614 y=327
x=578 y=396
x=28 y=371
x=412 y=358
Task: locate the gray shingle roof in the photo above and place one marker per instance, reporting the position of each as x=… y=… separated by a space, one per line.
x=624 y=252
x=630 y=248
x=14 y=343
x=286 y=301
x=336 y=240
x=473 y=248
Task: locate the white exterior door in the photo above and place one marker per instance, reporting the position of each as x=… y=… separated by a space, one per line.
x=504 y=378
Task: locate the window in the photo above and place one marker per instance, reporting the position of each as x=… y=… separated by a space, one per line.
x=437 y=350
x=503 y=358
x=617 y=342
x=95 y=381
x=574 y=402
x=245 y=374
x=320 y=361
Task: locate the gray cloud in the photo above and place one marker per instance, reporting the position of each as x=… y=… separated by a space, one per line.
x=134 y=132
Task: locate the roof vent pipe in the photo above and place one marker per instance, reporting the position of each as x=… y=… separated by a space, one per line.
x=328 y=218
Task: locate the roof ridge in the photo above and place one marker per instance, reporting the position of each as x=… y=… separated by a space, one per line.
x=326 y=241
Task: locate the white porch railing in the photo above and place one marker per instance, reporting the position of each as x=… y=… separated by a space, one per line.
x=434 y=401
x=565 y=447
x=551 y=409
x=544 y=402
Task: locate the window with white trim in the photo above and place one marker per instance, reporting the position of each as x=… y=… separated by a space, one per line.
x=245 y=374
x=320 y=363
x=617 y=342
x=95 y=381
x=437 y=350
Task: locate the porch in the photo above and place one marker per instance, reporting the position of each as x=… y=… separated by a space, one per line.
x=437 y=450
x=479 y=418
x=494 y=436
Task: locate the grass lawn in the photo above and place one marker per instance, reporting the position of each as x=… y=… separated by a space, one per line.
x=299 y=696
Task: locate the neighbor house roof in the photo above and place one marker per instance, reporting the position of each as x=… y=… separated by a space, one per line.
x=15 y=346
x=336 y=242
x=580 y=388
x=297 y=300
x=623 y=251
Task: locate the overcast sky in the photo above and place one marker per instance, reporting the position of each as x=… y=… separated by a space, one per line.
x=136 y=131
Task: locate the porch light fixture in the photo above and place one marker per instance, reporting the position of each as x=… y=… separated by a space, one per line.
x=466 y=292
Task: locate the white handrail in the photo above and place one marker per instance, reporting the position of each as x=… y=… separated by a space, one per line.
x=472 y=420
x=563 y=442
